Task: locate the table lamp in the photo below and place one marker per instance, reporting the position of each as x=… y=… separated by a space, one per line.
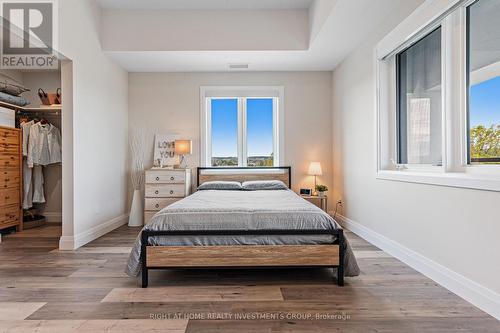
x=182 y=148
x=315 y=170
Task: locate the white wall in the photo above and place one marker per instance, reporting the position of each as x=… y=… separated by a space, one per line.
x=11 y=76
x=204 y=30
x=98 y=113
x=170 y=102
x=49 y=81
x=455 y=228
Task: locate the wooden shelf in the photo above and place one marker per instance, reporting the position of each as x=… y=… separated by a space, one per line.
x=47 y=108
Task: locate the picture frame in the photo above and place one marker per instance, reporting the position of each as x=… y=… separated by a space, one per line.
x=164 y=151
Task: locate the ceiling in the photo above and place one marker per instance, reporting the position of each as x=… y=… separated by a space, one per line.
x=204 y=4
x=344 y=24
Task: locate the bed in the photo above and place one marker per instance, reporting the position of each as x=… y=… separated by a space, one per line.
x=242 y=229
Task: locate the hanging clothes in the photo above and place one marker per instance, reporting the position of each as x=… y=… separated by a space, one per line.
x=38 y=181
x=41 y=147
x=27 y=185
x=27 y=171
x=25 y=127
x=44 y=145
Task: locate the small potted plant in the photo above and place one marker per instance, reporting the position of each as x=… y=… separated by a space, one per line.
x=321 y=189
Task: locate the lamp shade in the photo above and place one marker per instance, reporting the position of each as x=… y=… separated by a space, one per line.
x=183 y=147
x=315 y=169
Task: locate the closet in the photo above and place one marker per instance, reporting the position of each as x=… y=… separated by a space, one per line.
x=39 y=154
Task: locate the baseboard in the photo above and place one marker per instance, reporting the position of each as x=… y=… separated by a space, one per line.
x=474 y=293
x=53 y=217
x=74 y=242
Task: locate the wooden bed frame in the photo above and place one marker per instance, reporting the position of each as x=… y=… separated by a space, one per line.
x=242 y=256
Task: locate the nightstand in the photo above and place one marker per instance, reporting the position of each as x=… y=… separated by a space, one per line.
x=164 y=187
x=321 y=202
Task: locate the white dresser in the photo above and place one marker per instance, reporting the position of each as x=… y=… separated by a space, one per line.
x=164 y=187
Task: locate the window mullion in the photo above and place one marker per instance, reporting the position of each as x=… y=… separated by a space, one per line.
x=455 y=90
x=242 y=147
x=447 y=92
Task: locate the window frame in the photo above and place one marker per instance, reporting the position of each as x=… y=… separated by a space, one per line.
x=397 y=62
x=455 y=171
x=466 y=19
x=242 y=94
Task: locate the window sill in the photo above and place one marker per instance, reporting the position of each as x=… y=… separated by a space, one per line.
x=451 y=179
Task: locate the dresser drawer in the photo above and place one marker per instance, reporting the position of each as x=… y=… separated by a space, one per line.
x=9 y=216
x=9 y=179
x=159 y=203
x=9 y=161
x=9 y=148
x=9 y=136
x=165 y=190
x=9 y=197
x=165 y=177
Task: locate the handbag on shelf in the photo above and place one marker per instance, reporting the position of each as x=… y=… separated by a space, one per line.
x=59 y=95
x=48 y=98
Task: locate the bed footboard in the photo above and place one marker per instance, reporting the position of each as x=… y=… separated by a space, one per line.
x=242 y=256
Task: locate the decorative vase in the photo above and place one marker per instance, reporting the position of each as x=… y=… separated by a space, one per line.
x=135 y=218
x=321 y=193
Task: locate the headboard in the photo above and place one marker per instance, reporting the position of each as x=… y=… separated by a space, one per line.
x=241 y=174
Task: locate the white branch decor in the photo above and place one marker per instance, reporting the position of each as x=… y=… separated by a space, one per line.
x=137 y=142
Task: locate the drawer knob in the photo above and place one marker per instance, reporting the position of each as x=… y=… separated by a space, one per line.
x=171 y=178
x=157 y=178
x=7 y=179
x=7 y=198
x=157 y=206
x=171 y=192
x=156 y=192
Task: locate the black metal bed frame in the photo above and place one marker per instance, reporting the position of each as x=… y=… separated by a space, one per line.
x=287 y=168
x=146 y=234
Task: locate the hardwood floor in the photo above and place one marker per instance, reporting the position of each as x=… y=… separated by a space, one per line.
x=45 y=290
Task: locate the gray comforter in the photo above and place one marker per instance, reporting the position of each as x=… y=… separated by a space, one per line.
x=247 y=210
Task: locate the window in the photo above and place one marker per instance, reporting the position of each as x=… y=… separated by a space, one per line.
x=419 y=101
x=438 y=96
x=241 y=126
x=224 y=131
x=260 y=143
x=483 y=55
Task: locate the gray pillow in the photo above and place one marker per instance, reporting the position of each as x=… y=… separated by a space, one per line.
x=12 y=89
x=220 y=185
x=256 y=185
x=16 y=100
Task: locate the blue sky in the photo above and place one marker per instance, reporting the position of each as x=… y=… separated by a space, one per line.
x=485 y=103
x=225 y=127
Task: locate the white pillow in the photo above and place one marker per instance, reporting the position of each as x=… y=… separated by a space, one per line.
x=220 y=185
x=258 y=185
